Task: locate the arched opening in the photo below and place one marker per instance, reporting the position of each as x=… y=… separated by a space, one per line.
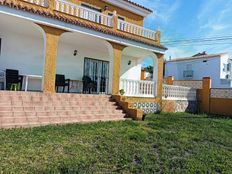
x=87 y=62
x=139 y=72
x=22 y=49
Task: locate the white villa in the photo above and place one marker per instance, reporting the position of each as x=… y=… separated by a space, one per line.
x=216 y=66
x=84 y=46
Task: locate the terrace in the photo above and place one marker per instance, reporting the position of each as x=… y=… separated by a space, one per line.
x=110 y=21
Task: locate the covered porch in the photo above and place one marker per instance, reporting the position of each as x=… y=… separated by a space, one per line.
x=40 y=53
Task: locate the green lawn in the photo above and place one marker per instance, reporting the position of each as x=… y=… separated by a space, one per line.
x=166 y=143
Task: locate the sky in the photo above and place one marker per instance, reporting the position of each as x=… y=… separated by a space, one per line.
x=190 y=19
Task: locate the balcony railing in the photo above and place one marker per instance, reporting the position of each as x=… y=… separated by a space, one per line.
x=171 y=92
x=97 y=17
x=43 y=3
x=138 y=88
x=136 y=30
x=84 y=13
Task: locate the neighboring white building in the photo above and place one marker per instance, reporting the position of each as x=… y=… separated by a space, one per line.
x=216 y=66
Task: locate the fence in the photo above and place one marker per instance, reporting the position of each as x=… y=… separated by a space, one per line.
x=43 y=3
x=137 y=30
x=196 y=84
x=171 y=92
x=84 y=13
x=220 y=101
x=138 y=88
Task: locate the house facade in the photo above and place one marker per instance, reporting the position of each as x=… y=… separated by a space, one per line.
x=103 y=40
x=215 y=66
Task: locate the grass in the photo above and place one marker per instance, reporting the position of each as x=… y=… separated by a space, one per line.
x=165 y=143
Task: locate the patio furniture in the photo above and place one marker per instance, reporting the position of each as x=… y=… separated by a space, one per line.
x=88 y=85
x=27 y=77
x=2 y=80
x=62 y=82
x=13 y=78
x=14 y=87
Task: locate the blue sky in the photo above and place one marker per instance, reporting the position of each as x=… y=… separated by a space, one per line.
x=189 y=19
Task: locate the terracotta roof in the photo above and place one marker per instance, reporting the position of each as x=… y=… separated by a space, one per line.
x=138 y=5
x=24 y=6
x=209 y=56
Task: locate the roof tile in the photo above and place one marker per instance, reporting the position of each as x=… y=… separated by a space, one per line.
x=77 y=21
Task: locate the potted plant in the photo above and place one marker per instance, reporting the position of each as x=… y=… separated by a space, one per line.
x=122 y=92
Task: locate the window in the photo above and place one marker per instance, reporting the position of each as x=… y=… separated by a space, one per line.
x=119 y=17
x=224 y=67
x=90 y=14
x=188 y=74
x=121 y=26
x=91 y=7
x=228 y=67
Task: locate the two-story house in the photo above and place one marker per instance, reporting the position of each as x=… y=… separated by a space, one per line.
x=92 y=43
x=215 y=66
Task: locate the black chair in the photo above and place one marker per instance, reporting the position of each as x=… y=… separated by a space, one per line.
x=62 y=82
x=12 y=78
x=88 y=85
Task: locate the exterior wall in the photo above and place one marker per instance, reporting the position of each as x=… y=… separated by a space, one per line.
x=215 y=101
x=129 y=16
x=23 y=51
x=221 y=102
x=196 y=84
x=179 y=106
x=147 y=105
x=221 y=106
x=212 y=68
x=132 y=71
x=73 y=66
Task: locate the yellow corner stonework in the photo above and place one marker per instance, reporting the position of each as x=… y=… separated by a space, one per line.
x=52 y=39
x=117 y=53
x=160 y=77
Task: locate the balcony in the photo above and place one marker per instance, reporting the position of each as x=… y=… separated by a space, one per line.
x=99 y=18
x=43 y=3
x=138 y=88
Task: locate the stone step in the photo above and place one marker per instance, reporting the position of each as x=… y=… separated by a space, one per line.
x=57 y=108
x=61 y=103
x=16 y=95
x=45 y=99
x=59 y=113
x=42 y=121
x=27 y=109
x=38 y=124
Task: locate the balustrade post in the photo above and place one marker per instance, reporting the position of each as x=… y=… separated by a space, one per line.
x=206 y=87
x=158 y=36
x=117 y=56
x=115 y=21
x=51 y=4
x=170 y=80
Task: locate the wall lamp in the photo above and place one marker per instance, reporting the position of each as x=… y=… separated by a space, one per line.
x=75 y=52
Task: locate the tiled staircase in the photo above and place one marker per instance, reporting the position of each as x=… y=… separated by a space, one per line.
x=21 y=109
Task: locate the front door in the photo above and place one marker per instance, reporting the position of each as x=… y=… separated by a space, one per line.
x=98 y=72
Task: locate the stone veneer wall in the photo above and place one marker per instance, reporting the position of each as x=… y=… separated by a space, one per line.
x=180 y=106
x=196 y=84
x=221 y=102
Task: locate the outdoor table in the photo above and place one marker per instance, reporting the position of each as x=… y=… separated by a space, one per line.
x=27 y=77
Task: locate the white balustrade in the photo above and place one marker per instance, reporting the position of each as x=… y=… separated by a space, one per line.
x=136 y=29
x=43 y=3
x=84 y=13
x=138 y=88
x=171 y=92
